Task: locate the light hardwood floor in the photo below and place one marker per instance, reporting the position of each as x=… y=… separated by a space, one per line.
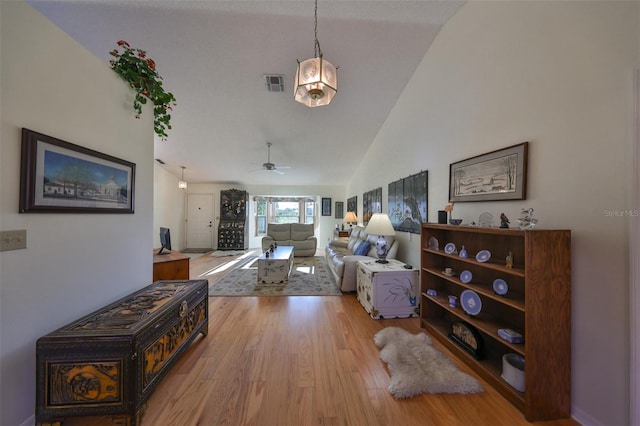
x=299 y=361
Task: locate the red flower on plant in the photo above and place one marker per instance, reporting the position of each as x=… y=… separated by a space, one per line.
x=123 y=43
x=151 y=63
x=142 y=54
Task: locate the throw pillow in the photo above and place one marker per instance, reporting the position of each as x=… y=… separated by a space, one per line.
x=362 y=249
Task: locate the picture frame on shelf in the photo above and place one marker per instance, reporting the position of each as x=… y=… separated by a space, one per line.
x=495 y=176
x=339 y=214
x=61 y=177
x=326 y=207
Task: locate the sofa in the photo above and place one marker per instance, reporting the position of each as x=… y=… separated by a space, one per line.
x=299 y=235
x=342 y=254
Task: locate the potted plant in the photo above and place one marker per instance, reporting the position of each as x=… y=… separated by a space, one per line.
x=140 y=72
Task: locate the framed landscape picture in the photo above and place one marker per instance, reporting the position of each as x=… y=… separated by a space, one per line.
x=339 y=210
x=60 y=177
x=497 y=175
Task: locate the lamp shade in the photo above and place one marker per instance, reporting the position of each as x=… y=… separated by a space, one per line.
x=351 y=218
x=380 y=224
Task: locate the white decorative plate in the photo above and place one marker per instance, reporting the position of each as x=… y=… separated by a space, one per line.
x=433 y=243
x=485 y=220
x=470 y=302
x=465 y=276
x=499 y=286
x=450 y=248
x=483 y=256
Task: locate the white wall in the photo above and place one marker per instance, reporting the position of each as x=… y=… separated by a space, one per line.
x=74 y=263
x=168 y=208
x=560 y=75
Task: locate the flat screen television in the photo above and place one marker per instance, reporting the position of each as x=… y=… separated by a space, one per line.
x=165 y=241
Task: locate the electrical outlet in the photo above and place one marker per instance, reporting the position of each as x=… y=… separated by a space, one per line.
x=13 y=240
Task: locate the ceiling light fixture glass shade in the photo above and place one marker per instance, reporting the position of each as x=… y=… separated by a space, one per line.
x=316 y=81
x=182 y=184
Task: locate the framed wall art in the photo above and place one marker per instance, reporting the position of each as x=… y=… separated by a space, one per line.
x=408 y=203
x=352 y=204
x=61 y=177
x=371 y=203
x=339 y=210
x=497 y=175
x=326 y=207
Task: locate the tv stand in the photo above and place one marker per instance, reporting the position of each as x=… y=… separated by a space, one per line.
x=170 y=266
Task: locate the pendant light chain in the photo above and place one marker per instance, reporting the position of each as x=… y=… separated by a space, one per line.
x=316 y=48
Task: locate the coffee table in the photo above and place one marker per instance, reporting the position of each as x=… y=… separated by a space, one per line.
x=277 y=267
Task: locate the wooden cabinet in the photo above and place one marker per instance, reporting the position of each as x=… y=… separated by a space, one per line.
x=233 y=230
x=537 y=304
x=170 y=266
x=387 y=290
x=110 y=361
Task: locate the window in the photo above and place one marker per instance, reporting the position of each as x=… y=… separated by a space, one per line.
x=286 y=212
x=283 y=210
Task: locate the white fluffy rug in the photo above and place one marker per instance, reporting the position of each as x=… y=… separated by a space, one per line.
x=417 y=367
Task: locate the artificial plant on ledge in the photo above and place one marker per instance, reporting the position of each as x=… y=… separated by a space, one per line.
x=140 y=72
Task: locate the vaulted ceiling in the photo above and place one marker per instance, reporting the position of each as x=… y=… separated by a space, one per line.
x=214 y=55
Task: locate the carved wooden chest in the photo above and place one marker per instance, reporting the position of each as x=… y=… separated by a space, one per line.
x=109 y=362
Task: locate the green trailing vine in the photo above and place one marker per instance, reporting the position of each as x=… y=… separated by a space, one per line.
x=140 y=72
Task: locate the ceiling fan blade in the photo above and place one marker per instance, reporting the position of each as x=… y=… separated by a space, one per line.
x=278 y=171
x=283 y=167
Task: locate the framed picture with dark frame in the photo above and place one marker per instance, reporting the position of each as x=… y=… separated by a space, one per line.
x=60 y=177
x=326 y=207
x=339 y=214
x=494 y=176
x=352 y=204
x=408 y=199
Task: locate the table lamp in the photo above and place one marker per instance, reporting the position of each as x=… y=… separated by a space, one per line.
x=351 y=218
x=380 y=225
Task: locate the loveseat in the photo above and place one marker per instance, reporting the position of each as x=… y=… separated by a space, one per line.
x=299 y=235
x=343 y=254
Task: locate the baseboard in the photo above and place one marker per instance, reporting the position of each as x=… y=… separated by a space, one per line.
x=30 y=421
x=584 y=419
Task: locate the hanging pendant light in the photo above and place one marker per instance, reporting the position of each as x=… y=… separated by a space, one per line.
x=182 y=184
x=316 y=81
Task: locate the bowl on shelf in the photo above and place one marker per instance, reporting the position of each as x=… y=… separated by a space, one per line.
x=455 y=221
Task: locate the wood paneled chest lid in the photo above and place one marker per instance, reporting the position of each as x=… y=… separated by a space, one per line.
x=109 y=362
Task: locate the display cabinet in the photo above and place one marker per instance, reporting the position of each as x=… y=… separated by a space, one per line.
x=520 y=281
x=233 y=230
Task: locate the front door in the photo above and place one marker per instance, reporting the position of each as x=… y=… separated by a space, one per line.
x=200 y=221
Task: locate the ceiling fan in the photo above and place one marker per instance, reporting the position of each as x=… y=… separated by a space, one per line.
x=269 y=166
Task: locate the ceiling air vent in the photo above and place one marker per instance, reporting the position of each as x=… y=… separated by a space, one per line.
x=275 y=83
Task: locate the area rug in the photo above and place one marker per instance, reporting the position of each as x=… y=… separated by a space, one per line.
x=310 y=277
x=416 y=367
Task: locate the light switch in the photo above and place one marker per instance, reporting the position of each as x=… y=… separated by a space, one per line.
x=13 y=240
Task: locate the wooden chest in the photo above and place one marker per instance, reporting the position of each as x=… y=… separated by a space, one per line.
x=387 y=290
x=110 y=361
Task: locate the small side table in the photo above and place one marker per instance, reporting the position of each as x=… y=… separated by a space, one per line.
x=341 y=233
x=388 y=290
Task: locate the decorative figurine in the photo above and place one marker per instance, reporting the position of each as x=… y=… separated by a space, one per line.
x=504 y=221
x=527 y=221
x=509 y=260
x=463 y=253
